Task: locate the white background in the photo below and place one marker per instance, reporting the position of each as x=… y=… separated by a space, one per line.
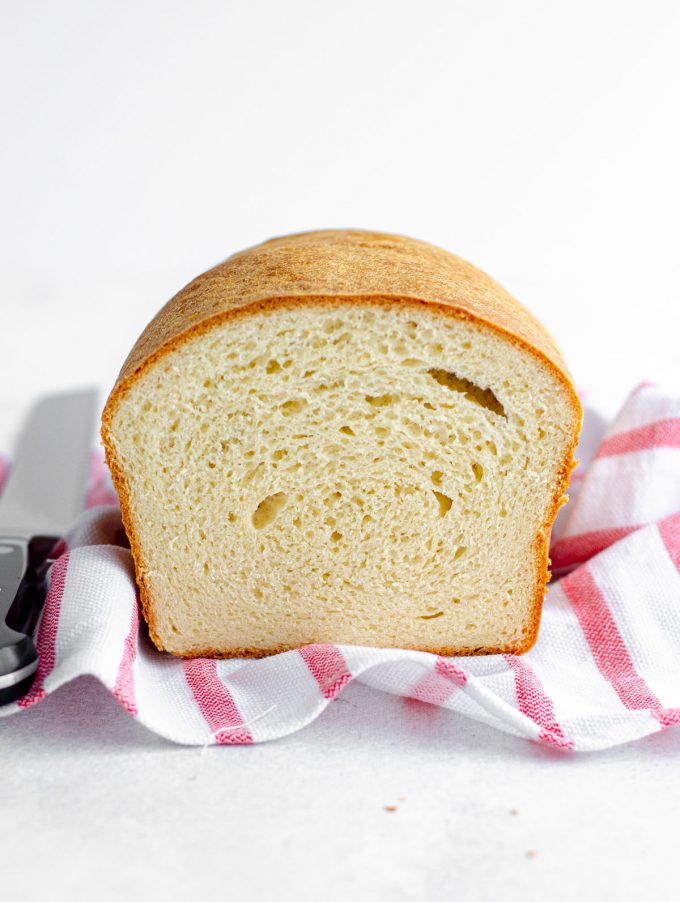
x=142 y=142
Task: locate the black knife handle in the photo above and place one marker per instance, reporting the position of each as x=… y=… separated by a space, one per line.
x=23 y=587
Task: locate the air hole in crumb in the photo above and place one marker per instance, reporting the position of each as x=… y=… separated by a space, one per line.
x=273 y=366
x=252 y=473
x=437 y=477
x=268 y=510
x=484 y=397
x=288 y=408
x=336 y=536
x=431 y=616
x=332 y=325
x=444 y=503
x=380 y=400
x=478 y=470
x=459 y=552
x=231 y=517
x=347 y=430
x=411 y=362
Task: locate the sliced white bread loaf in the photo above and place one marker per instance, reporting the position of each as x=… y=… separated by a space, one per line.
x=346 y=437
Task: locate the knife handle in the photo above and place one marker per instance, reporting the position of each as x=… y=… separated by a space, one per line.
x=23 y=586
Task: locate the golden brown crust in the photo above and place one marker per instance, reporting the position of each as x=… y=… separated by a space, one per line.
x=341 y=267
x=351 y=264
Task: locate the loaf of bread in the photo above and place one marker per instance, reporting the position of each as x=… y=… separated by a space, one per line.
x=342 y=436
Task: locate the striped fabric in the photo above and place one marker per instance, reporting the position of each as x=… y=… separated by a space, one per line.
x=605 y=670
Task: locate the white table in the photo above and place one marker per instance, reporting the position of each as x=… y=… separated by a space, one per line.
x=96 y=807
x=143 y=142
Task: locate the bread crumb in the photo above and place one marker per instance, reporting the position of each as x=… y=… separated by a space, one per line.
x=514 y=812
x=389 y=808
x=532 y=853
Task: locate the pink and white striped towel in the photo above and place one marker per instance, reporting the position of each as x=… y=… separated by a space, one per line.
x=605 y=669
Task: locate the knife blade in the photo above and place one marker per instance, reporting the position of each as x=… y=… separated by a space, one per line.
x=44 y=493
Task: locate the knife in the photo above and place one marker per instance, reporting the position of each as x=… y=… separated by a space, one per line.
x=43 y=494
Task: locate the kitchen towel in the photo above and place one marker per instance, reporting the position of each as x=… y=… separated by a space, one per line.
x=605 y=669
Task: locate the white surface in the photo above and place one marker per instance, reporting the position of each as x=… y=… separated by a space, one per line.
x=102 y=809
x=143 y=142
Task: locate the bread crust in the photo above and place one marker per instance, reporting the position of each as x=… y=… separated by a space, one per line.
x=341 y=267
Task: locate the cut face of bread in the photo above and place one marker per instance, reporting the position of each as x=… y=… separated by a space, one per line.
x=372 y=473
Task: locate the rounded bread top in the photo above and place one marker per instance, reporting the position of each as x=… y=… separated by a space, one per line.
x=343 y=265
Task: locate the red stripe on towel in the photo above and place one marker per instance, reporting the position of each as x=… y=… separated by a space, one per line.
x=608 y=648
x=124 y=688
x=667 y=717
x=661 y=434
x=451 y=671
x=576 y=549
x=439 y=684
x=669 y=529
x=45 y=643
x=327 y=666
x=59 y=549
x=215 y=702
x=533 y=702
x=641 y=387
